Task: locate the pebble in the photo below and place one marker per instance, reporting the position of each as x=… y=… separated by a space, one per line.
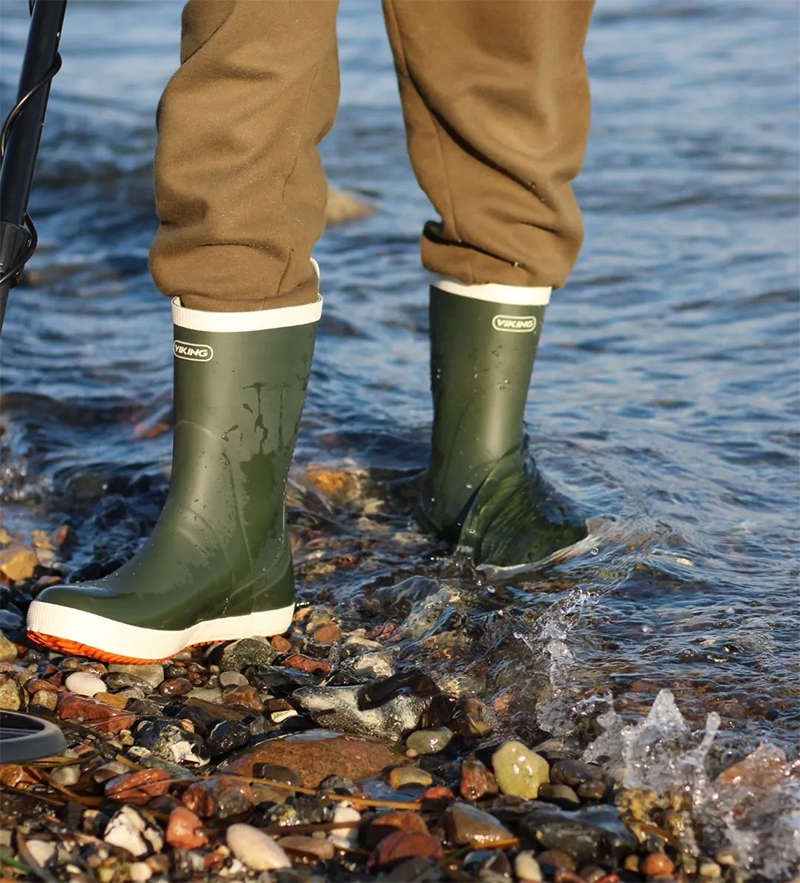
x=42 y=851
x=281 y=644
x=282 y=775
x=176 y=687
x=553 y=860
x=84 y=684
x=345 y=838
x=388 y=822
x=10 y=699
x=374 y=665
x=104 y=718
x=255 y=849
x=307 y=664
x=45 y=699
x=243 y=697
x=113 y=699
x=226 y=736
x=185 y=829
x=710 y=870
x=409 y=775
x=152 y=674
x=527 y=868
x=519 y=771
x=171 y=742
x=472 y=719
x=139 y=872
x=574 y=772
x=327 y=634
x=339 y=708
x=317 y=754
x=8 y=649
x=18 y=562
x=138 y=787
x=130 y=831
x=657 y=864
x=766 y=767
x=248 y=651
x=468 y=825
x=560 y=795
x=220 y=797
x=66 y=776
x=477 y=780
x=232 y=679
x=429 y=741
x=402 y=845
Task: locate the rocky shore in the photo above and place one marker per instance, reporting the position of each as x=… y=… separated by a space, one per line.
x=322 y=754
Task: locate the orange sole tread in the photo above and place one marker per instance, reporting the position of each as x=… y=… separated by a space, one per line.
x=74 y=648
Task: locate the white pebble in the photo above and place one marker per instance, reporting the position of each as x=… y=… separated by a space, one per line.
x=256 y=849
x=84 y=684
x=527 y=868
x=345 y=837
x=125 y=830
x=41 y=851
x=139 y=872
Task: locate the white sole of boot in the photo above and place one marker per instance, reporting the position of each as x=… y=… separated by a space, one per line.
x=76 y=631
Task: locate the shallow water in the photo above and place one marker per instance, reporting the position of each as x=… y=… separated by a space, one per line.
x=666 y=392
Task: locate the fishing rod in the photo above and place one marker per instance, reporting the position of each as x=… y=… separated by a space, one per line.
x=19 y=142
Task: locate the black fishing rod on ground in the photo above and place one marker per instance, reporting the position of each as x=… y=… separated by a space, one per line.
x=19 y=142
x=25 y=737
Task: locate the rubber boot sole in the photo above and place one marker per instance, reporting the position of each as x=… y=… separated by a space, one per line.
x=99 y=638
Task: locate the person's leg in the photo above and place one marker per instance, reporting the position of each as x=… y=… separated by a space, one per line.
x=241 y=196
x=496 y=103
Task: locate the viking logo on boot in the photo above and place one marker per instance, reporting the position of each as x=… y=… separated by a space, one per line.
x=193 y=352
x=514 y=323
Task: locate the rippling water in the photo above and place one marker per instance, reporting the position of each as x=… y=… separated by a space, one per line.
x=666 y=389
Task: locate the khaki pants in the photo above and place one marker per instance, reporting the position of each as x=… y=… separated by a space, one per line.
x=495 y=98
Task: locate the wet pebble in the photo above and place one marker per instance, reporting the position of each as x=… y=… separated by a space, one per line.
x=139 y=872
x=551 y=861
x=151 y=675
x=172 y=743
x=310 y=848
x=374 y=665
x=283 y=775
x=255 y=849
x=408 y=775
x=185 y=829
x=388 y=822
x=138 y=787
x=429 y=741
x=519 y=771
x=104 y=718
x=248 y=651
x=340 y=708
x=84 y=684
x=657 y=864
x=477 y=780
x=175 y=687
x=243 y=697
x=468 y=825
x=327 y=634
x=227 y=736
x=278 y=680
x=560 y=795
x=307 y=664
x=66 y=776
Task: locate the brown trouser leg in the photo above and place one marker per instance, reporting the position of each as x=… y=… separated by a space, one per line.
x=496 y=102
x=240 y=189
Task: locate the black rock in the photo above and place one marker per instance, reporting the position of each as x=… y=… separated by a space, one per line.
x=593 y=834
x=278 y=681
x=227 y=736
x=338 y=785
x=171 y=742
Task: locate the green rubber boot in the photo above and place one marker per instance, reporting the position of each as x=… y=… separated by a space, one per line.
x=218 y=565
x=482 y=491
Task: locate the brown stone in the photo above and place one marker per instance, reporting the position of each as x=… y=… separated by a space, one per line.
x=62 y=535
x=308 y=847
x=244 y=696
x=18 y=562
x=477 y=781
x=112 y=699
x=185 y=829
x=102 y=718
x=389 y=822
x=657 y=864
x=17 y=777
x=306 y=663
x=317 y=754
x=764 y=768
x=553 y=860
x=138 y=787
x=175 y=687
x=45 y=699
x=401 y=845
x=35 y=684
x=438 y=796
x=329 y=633
x=220 y=797
x=468 y=825
x=281 y=644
